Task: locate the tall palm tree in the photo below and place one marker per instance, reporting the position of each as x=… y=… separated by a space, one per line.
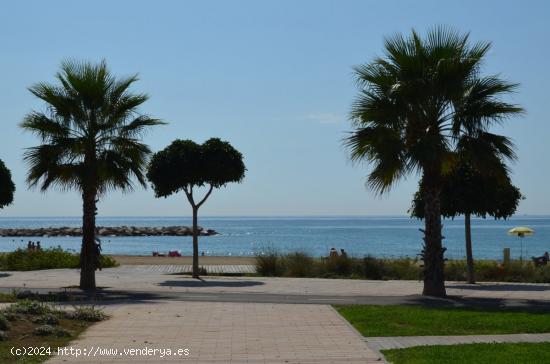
x=90 y=141
x=415 y=106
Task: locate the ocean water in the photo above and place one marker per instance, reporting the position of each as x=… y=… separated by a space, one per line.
x=245 y=236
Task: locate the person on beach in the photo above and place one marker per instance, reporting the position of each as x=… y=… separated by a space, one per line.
x=343 y=253
x=333 y=253
x=38 y=247
x=29 y=246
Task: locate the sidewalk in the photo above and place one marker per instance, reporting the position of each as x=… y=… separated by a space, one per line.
x=225 y=333
x=132 y=278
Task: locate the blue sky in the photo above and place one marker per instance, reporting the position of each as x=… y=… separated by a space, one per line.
x=272 y=77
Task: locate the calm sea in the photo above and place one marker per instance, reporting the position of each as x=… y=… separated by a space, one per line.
x=244 y=236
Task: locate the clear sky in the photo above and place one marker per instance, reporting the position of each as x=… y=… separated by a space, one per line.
x=272 y=77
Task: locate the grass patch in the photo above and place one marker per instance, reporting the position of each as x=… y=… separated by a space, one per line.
x=53 y=258
x=471 y=354
x=30 y=323
x=418 y=321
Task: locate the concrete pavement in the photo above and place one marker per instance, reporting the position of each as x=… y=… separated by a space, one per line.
x=222 y=333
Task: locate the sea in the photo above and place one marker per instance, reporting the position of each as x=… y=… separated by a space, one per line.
x=384 y=236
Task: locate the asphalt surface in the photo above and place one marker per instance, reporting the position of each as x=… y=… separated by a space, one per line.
x=108 y=296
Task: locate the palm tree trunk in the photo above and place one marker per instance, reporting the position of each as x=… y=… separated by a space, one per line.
x=434 y=278
x=195 y=243
x=88 y=251
x=469 y=253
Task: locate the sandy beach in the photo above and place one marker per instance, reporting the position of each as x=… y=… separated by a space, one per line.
x=206 y=260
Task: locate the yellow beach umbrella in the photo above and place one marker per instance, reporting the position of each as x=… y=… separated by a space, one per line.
x=521 y=232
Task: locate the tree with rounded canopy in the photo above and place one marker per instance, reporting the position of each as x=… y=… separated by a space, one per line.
x=415 y=105
x=7 y=187
x=185 y=165
x=468 y=191
x=90 y=138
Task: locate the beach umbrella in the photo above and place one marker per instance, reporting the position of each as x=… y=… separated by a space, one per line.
x=521 y=232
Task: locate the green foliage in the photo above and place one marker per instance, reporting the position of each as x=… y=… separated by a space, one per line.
x=30 y=307
x=440 y=321
x=297 y=264
x=502 y=353
x=397 y=128
x=90 y=134
x=185 y=164
x=4 y=323
x=47 y=319
x=7 y=187
x=44 y=330
x=492 y=271
x=270 y=263
x=86 y=313
x=469 y=190
x=53 y=258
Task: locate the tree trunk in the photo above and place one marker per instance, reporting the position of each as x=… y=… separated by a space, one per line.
x=434 y=278
x=195 y=243
x=88 y=252
x=469 y=253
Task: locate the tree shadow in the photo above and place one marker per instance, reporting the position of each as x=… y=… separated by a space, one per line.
x=502 y=287
x=4 y=275
x=211 y=283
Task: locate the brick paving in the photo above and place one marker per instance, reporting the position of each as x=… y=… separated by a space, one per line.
x=226 y=333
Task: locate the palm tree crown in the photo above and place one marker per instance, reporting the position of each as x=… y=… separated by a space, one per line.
x=424 y=99
x=90 y=133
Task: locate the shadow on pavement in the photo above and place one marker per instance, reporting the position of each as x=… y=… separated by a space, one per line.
x=497 y=287
x=211 y=283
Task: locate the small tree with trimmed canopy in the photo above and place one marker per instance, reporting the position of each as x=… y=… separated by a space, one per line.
x=185 y=165
x=7 y=188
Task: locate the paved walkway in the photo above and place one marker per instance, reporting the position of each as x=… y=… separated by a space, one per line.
x=130 y=278
x=399 y=342
x=224 y=333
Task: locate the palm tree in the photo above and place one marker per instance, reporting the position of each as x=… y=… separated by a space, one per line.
x=90 y=141
x=415 y=106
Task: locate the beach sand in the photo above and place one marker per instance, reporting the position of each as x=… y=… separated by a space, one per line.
x=206 y=260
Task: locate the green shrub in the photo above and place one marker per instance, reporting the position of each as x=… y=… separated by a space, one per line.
x=30 y=308
x=3 y=335
x=86 y=313
x=4 y=324
x=268 y=263
x=53 y=258
x=62 y=333
x=48 y=318
x=372 y=268
x=404 y=268
x=297 y=264
x=338 y=266
x=44 y=330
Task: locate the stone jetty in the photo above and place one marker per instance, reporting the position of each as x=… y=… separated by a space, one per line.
x=109 y=231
